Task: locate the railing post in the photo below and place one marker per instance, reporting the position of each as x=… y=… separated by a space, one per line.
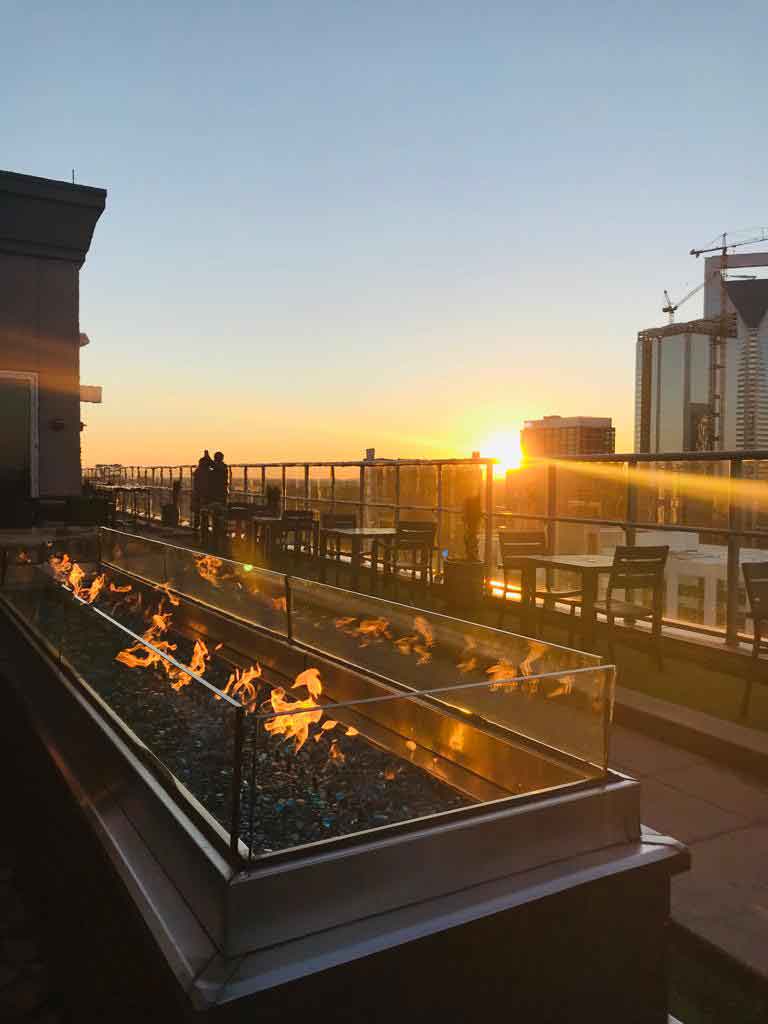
x=263 y=484
x=734 y=548
x=397 y=494
x=629 y=531
x=551 y=507
x=288 y=608
x=306 y=486
x=489 y=518
x=439 y=517
x=237 y=779
x=282 y=471
x=362 y=495
x=333 y=489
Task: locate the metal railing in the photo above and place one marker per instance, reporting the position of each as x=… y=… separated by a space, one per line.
x=622 y=495
x=375 y=489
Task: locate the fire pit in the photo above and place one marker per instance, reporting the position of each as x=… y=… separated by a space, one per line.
x=327 y=756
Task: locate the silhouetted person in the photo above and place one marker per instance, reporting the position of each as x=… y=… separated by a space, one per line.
x=201 y=486
x=219 y=480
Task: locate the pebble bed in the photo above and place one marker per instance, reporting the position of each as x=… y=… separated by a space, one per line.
x=331 y=787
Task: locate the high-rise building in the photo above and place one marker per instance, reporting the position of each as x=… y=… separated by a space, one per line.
x=568 y=435
x=703 y=385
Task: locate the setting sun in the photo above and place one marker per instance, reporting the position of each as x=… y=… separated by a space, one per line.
x=503 y=445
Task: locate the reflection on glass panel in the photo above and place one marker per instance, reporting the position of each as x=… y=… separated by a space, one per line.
x=253 y=594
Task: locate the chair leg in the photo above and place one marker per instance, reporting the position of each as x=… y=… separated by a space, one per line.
x=658 y=644
x=611 y=648
x=572 y=626
x=753 y=669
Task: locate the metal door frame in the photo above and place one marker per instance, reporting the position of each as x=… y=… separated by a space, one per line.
x=34 y=447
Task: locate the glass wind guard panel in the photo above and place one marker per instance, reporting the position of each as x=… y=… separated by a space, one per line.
x=425 y=650
x=329 y=770
x=237 y=588
x=185 y=726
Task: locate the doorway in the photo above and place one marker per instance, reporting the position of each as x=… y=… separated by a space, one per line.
x=18 y=435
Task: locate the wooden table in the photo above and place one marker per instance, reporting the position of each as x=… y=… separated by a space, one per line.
x=591 y=567
x=356 y=535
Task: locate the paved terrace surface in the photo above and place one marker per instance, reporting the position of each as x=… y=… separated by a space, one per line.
x=723 y=816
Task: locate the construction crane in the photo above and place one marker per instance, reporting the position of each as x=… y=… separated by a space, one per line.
x=724 y=245
x=672 y=307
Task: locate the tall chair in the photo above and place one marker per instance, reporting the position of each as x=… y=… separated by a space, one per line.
x=514 y=545
x=756 y=579
x=636 y=568
x=411 y=549
x=331 y=547
x=303 y=526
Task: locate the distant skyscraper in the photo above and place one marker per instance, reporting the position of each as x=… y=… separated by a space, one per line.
x=570 y=435
x=698 y=391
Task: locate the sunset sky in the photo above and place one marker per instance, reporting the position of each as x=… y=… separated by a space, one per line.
x=332 y=226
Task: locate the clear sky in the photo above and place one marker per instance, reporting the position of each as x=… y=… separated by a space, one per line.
x=407 y=225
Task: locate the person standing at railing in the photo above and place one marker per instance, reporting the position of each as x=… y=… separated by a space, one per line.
x=201 y=487
x=219 y=480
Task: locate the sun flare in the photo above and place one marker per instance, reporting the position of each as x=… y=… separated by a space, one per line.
x=503 y=445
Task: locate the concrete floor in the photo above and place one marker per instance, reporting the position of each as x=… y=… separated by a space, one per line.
x=723 y=817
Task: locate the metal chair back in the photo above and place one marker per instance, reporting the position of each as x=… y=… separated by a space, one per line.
x=756 y=579
x=516 y=544
x=417 y=531
x=638 y=568
x=338 y=520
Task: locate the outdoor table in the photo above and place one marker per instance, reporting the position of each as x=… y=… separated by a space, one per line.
x=591 y=567
x=356 y=535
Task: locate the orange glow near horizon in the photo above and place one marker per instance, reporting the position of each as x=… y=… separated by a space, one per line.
x=503 y=445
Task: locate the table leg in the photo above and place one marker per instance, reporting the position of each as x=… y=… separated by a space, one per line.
x=374 y=564
x=323 y=552
x=527 y=598
x=589 y=596
x=356 y=546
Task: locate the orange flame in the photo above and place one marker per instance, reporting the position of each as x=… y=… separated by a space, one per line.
x=502 y=670
x=23 y=558
x=280 y=604
x=468 y=661
x=209 y=566
x=296 y=726
x=120 y=590
x=335 y=754
x=165 y=588
x=420 y=642
x=71 y=575
x=240 y=684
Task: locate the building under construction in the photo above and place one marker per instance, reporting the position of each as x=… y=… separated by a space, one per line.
x=702 y=385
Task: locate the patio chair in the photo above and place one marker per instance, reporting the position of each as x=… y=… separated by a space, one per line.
x=301 y=524
x=342 y=520
x=636 y=568
x=514 y=545
x=756 y=580
x=411 y=549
